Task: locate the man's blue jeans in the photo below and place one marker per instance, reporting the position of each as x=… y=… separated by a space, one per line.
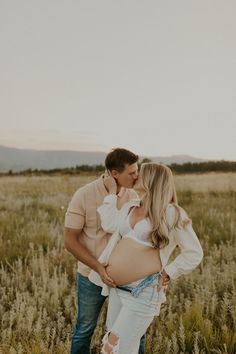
x=90 y=302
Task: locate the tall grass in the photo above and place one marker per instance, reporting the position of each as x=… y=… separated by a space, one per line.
x=37 y=276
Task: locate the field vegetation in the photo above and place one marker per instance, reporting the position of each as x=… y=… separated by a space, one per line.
x=37 y=275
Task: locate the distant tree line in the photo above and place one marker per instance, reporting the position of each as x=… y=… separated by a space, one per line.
x=189 y=167
x=203 y=167
x=81 y=169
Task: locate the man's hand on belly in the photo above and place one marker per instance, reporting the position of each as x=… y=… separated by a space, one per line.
x=101 y=270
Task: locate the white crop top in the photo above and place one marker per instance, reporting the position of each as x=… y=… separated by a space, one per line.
x=140 y=233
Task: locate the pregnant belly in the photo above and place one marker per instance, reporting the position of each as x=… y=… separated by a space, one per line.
x=131 y=261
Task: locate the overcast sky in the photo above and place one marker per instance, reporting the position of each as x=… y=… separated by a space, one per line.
x=157 y=77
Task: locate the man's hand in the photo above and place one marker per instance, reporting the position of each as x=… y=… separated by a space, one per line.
x=101 y=270
x=110 y=184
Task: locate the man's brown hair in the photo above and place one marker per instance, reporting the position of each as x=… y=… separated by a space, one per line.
x=118 y=158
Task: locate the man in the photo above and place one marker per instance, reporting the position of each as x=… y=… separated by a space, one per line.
x=86 y=240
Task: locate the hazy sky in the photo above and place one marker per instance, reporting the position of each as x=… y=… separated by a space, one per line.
x=157 y=77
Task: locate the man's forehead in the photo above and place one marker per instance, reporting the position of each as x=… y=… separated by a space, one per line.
x=131 y=168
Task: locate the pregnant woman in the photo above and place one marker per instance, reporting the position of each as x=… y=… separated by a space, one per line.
x=145 y=233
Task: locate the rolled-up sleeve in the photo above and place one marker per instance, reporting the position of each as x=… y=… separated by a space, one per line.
x=75 y=215
x=109 y=213
x=191 y=252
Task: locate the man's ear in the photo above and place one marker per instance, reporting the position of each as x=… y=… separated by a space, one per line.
x=114 y=173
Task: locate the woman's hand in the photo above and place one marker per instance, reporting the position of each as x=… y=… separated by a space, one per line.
x=110 y=184
x=101 y=270
x=165 y=279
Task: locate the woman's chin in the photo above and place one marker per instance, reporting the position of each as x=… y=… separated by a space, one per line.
x=137 y=188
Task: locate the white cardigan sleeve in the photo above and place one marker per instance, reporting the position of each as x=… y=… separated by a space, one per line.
x=109 y=220
x=191 y=252
x=109 y=213
x=104 y=257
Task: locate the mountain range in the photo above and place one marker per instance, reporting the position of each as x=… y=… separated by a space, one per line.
x=21 y=159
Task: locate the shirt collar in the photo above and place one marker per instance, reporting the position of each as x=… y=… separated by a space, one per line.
x=102 y=187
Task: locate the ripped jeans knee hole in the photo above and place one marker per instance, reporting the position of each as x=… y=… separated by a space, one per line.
x=110 y=343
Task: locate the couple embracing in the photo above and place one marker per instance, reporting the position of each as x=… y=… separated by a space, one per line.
x=122 y=229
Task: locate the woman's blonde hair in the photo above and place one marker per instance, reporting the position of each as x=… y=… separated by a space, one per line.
x=158 y=182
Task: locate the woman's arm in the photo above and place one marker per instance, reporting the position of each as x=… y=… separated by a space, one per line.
x=108 y=210
x=109 y=213
x=191 y=252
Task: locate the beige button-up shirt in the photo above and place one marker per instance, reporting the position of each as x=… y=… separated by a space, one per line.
x=82 y=215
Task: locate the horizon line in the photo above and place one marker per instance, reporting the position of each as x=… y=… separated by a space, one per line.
x=105 y=152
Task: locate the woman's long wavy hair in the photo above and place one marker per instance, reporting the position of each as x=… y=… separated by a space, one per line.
x=158 y=182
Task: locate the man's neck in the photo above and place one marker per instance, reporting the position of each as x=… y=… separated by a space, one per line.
x=118 y=189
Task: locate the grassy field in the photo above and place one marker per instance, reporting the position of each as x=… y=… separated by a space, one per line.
x=37 y=293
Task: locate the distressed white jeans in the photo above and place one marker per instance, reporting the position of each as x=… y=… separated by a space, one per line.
x=128 y=318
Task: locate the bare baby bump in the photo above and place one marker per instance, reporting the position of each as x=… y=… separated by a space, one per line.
x=131 y=261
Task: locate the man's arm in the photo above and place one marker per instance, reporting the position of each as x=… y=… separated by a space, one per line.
x=82 y=254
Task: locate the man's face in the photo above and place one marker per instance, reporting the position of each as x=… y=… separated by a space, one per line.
x=128 y=177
